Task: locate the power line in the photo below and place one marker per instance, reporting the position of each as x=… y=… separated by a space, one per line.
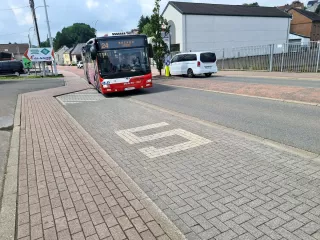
x=9 y=9
x=8 y=34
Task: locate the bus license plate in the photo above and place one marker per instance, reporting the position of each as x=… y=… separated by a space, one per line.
x=129 y=88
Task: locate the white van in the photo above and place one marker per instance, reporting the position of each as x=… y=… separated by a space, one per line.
x=194 y=63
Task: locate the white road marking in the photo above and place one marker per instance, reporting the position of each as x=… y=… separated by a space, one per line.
x=89 y=95
x=152 y=152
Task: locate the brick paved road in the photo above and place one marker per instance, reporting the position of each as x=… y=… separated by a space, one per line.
x=269 y=81
x=227 y=188
x=295 y=125
x=296 y=93
x=68 y=188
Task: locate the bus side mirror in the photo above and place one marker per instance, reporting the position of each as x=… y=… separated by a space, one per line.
x=150 y=51
x=93 y=51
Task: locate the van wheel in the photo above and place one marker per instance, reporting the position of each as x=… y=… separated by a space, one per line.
x=17 y=74
x=208 y=74
x=190 y=73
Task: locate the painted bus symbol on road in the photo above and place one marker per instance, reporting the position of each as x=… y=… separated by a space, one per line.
x=153 y=152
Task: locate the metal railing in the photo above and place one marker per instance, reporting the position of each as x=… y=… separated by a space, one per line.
x=286 y=57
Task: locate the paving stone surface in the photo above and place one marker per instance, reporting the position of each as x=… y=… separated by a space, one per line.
x=228 y=188
x=67 y=188
x=293 y=93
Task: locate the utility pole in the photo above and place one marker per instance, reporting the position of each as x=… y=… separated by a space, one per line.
x=31 y=2
x=50 y=38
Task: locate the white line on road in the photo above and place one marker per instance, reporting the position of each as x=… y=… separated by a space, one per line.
x=152 y=152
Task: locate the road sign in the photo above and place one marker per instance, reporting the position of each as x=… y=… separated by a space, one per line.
x=39 y=54
x=27 y=64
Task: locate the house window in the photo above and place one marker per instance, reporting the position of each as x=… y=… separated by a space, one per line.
x=175 y=47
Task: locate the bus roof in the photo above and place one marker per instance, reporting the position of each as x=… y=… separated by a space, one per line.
x=90 y=41
x=123 y=36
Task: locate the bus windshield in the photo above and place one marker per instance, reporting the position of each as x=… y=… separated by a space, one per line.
x=121 y=63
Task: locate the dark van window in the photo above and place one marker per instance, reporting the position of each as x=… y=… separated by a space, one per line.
x=180 y=58
x=190 y=57
x=208 y=57
x=174 y=59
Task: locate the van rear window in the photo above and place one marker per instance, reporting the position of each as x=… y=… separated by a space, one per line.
x=208 y=57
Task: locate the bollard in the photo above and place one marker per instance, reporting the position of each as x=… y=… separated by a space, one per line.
x=167 y=70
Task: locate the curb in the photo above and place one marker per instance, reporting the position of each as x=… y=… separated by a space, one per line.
x=10 y=191
x=245 y=95
x=167 y=225
x=275 y=77
x=300 y=152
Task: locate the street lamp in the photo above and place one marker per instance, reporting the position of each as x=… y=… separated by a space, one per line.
x=49 y=32
x=29 y=36
x=41 y=6
x=95 y=27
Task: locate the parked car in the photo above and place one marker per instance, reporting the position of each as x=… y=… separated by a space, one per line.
x=194 y=63
x=80 y=64
x=11 y=67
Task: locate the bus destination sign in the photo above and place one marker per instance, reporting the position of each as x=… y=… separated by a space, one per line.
x=105 y=44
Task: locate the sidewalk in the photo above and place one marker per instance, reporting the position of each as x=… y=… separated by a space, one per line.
x=68 y=187
x=256 y=74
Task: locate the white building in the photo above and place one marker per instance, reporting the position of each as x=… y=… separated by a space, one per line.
x=298 y=39
x=203 y=27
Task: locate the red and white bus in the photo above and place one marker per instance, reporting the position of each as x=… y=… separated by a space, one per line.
x=118 y=63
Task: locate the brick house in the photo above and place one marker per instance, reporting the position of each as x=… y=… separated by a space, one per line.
x=76 y=53
x=294 y=4
x=58 y=55
x=305 y=23
x=15 y=49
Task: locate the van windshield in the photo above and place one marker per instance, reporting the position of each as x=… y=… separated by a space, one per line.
x=208 y=57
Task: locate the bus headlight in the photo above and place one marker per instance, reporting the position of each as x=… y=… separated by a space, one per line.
x=105 y=84
x=150 y=80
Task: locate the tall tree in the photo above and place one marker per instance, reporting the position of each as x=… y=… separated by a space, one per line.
x=142 y=22
x=46 y=43
x=159 y=25
x=318 y=9
x=72 y=35
x=147 y=29
x=255 y=4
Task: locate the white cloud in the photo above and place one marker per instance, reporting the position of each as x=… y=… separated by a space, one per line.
x=92 y=4
x=23 y=17
x=146 y=6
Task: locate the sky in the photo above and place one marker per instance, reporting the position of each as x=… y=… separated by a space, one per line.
x=105 y=15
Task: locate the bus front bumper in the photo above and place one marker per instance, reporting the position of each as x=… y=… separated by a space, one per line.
x=122 y=88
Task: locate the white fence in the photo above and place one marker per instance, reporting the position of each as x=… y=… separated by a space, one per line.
x=286 y=57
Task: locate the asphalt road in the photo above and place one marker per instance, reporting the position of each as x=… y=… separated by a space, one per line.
x=9 y=91
x=296 y=125
x=271 y=81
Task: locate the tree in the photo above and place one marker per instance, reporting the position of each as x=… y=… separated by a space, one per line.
x=318 y=9
x=45 y=43
x=158 y=25
x=147 y=29
x=255 y=4
x=142 y=22
x=72 y=35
